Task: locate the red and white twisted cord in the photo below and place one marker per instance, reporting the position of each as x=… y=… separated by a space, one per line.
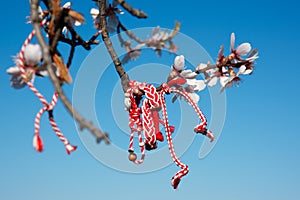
x=135 y=125
x=184 y=168
x=202 y=126
x=21 y=65
x=37 y=141
x=68 y=146
x=142 y=147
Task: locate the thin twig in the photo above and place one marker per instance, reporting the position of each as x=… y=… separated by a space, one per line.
x=72 y=51
x=223 y=64
x=80 y=41
x=118 y=65
x=93 y=40
x=131 y=34
x=133 y=11
x=173 y=32
x=58 y=27
x=83 y=123
x=121 y=40
x=83 y=43
x=206 y=69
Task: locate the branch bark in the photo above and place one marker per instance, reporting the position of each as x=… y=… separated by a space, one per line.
x=83 y=123
x=105 y=36
x=135 y=12
x=223 y=64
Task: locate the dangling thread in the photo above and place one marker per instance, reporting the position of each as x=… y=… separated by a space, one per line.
x=184 y=168
x=37 y=141
x=135 y=124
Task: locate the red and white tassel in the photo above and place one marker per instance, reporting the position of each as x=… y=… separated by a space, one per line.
x=38 y=143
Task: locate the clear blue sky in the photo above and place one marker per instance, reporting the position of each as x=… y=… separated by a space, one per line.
x=256 y=157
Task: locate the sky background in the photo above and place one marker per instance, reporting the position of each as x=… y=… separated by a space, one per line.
x=256 y=157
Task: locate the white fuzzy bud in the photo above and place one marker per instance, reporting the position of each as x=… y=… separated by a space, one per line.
x=179 y=63
x=32 y=54
x=243 y=49
x=127 y=103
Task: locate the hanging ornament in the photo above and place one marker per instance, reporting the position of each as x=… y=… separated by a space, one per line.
x=23 y=64
x=144 y=117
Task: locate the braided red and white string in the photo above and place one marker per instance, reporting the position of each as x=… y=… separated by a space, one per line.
x=37 y=141
x=155 y=101
x=148 y=126
x=150 y=108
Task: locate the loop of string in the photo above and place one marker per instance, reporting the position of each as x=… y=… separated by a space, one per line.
x=37 y=141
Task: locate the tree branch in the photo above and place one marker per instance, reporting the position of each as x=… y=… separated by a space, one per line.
x=47 y=60
x=226 y=62
x=135 y=12
x=79 y=41
x=130 y=34
x=71 y=54
x=118 y=65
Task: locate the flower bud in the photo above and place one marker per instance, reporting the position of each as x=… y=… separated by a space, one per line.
x=179 y=63
x=32 y=54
